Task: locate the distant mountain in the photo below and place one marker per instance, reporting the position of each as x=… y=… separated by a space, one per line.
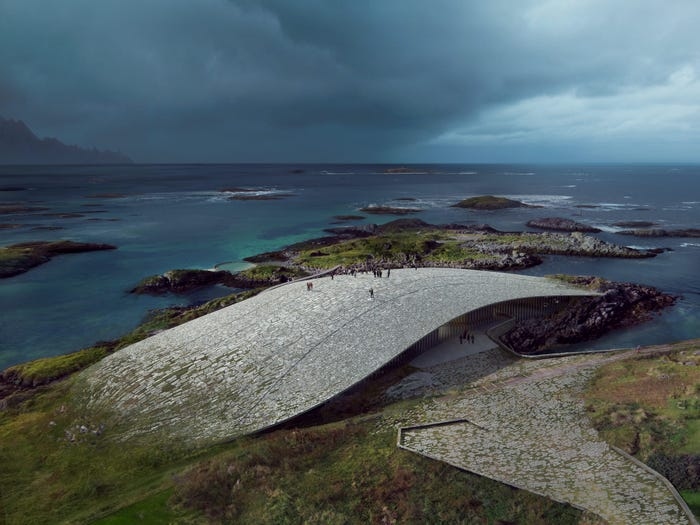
x=19 y=145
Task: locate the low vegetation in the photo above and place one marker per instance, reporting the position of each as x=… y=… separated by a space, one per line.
x=650 y=408
x=349 y=472
x=489 y=202
x=432 y=247
x=271 y=273
x=19 y=258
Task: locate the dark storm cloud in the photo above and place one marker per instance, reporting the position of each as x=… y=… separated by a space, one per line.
x=217 y=80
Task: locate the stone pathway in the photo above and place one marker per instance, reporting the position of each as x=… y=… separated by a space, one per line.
x=523 y=423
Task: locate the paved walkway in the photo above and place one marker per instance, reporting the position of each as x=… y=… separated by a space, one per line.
x=278 y=354
x=526 y=426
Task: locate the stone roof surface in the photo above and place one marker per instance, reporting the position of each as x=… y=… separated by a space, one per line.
x=278 y=354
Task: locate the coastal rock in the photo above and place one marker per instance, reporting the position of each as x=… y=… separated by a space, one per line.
x=561 y=224
x=20 y=258
x=389 y=210
x=362 y=230
x=263 y=197
x=238 y=189
x=621 y=305
x=575 y=244
x=180 y=281
x=344 y=218
x=183 y=281
x=634 y=224
x=399 y=169
x=18 y=208
x=658 y=232
x=490 y=202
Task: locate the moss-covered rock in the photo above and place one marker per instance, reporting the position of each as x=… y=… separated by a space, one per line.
x=20 y=258
x=48 y=369
x=561 y=224
x=490 y=202
x=180 y=281
x=389 y=210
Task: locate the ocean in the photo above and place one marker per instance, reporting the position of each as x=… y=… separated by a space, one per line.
x=163 y=217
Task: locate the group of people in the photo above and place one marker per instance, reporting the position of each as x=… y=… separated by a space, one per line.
x=466 y=336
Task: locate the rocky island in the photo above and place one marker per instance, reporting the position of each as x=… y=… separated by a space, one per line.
x=490 y=202
x=396 y=244
x=183 y=281
x=658 y=232
x=561 y=224
x=19 y=258
x=389 y=210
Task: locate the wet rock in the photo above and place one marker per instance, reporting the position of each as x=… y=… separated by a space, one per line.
x=658 y=232
x=620 y=305
x=561 y=224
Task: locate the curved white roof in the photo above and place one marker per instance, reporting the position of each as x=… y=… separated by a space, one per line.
x=286 y=350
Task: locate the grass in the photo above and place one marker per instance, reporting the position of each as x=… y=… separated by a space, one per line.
x=154 y=510
x=344 y=472
x=693 y=501
x=18 y=258
x=349 y=472
x=271 y=272
x=398 y=248
x=45 y=370
x=650 y=407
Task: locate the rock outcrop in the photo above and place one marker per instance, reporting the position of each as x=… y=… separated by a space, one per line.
x=22 y=257
x=561 y=224
x=183 y=281
x=180 y=281
x=389 y=210
x=620 y=305
x=658 y=232
x=489 y=202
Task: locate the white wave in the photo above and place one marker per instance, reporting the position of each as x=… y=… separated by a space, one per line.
x=569 y=186
x=518 y=173
x=547 y=201
x=639 y=247
x=690 y=244
x=608 y=229
x=326 y=172
x=690 y=203
x=616 y=206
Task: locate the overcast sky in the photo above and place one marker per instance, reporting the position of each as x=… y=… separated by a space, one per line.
x=358 y=81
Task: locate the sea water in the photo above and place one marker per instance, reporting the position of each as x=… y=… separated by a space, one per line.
x=163 y=217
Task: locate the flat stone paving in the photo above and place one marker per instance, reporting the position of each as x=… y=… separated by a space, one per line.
x=278 y=354
x=526 y=426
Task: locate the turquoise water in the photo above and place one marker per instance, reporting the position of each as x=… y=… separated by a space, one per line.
x=172 y=216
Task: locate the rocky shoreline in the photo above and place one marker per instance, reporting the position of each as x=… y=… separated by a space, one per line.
x=186 y=280
x=561 y=224
x=658 y=232
x=620 y=305
x=396 y=244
